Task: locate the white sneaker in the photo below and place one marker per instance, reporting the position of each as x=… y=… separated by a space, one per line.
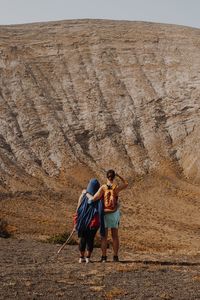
x=87 y=260
x=81 y=260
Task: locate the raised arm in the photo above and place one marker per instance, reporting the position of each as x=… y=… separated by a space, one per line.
x=123 y=185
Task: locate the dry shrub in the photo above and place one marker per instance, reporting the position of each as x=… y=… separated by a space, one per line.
x=165 y=296
x=196 y=278
x=128 y=267
x=97 y=242
x=4 y=232
x=114 y=292
x=61 y=239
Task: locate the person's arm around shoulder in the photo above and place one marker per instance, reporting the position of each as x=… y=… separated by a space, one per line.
x=123 y=185
x=97 y=196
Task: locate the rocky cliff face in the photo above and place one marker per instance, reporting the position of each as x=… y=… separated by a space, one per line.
x=79 y=97
x=89 y=95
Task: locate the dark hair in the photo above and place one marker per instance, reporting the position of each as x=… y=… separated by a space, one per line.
x=110 y=174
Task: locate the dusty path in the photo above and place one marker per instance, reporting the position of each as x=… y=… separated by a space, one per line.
x=32 y=270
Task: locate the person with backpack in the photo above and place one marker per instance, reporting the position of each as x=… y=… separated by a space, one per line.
x=109 y=192
x=88 y=219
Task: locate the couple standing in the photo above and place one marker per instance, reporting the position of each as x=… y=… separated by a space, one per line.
x=98 y=207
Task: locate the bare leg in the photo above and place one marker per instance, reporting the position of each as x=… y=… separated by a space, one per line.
x=115 y=238
x=104 y=243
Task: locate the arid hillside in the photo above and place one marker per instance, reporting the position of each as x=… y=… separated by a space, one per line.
x=79 y=97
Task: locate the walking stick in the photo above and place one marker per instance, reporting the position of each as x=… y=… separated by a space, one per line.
x=67 y=241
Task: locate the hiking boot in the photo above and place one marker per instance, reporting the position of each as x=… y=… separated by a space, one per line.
x=103 y=259
x=115 y=258
x=87 y=260
x=81 y=260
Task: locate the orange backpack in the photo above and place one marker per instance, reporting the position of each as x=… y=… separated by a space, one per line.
x=110 y=199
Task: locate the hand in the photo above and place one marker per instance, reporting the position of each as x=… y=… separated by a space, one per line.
x=90 y=201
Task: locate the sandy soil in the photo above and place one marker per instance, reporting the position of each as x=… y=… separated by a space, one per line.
x=158 y=214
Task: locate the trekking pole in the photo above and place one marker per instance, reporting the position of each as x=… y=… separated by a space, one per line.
x=67 y=241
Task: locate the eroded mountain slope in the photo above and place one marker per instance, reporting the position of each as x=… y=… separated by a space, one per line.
x=79 y=97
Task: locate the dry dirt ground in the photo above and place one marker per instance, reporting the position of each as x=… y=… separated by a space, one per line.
x=160 y=245
x=158 y=214
x=33 y=270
